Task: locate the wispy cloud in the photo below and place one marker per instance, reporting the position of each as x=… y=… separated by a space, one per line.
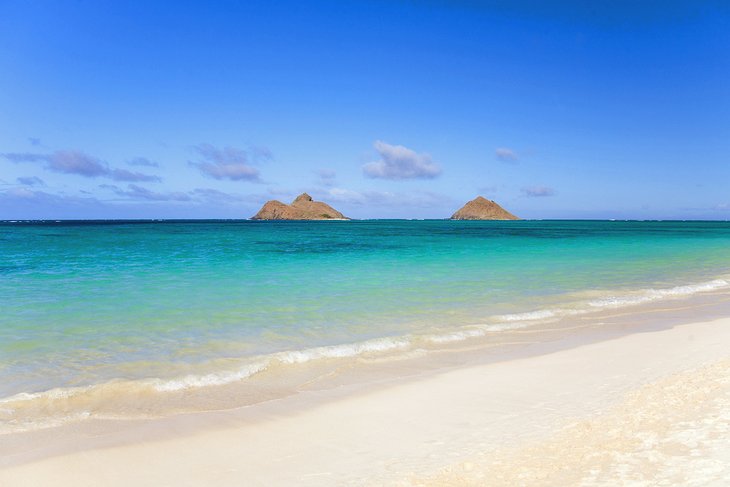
x=24 y=157
x=196 y=196
x=80 y=164
x=76 y=162
x=30 y=203
x=139 y=193
x=260 y=153
x=25 y=196
x=142 y=161
x=505 y=155
x=217 y=197
x=424 y=199
x=229 y=162
x=327 y=177
x=124 y=175
x=398 y=163
x=22 y=193
x=278 y=191
x=538 y=191
x=31 y=181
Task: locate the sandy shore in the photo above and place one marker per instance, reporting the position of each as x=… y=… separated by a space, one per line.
x=645 y=408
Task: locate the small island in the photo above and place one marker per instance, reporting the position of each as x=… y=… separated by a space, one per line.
x=302 y=208
x=481 y=208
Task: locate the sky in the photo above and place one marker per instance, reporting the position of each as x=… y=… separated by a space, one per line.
x=384 y=109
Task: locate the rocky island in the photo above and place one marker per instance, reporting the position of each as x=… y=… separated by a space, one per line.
x=481 y=208
x=302 y=208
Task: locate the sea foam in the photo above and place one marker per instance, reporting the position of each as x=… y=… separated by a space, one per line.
x=649 y=295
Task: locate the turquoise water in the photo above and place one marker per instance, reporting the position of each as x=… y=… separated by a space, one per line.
x=84 y=303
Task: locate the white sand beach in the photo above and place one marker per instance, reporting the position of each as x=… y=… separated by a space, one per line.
x=646 y=408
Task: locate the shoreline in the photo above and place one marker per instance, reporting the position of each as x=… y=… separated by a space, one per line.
x=398 y=424
x=264 y=378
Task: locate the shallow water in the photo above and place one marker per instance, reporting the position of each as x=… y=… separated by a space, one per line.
x=192 y=304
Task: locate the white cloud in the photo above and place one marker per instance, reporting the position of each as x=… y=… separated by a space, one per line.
x=398 y=162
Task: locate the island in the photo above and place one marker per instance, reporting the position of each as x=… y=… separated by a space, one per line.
x=481 y=208
x=302 y=208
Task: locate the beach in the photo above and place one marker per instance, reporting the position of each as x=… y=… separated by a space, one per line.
x=647 y=406
x=398 y=244
x=364 y=353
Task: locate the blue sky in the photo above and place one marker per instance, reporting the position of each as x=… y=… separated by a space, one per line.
x=381 y=108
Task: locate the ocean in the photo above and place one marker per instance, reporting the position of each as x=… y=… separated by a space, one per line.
x=94 y=310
